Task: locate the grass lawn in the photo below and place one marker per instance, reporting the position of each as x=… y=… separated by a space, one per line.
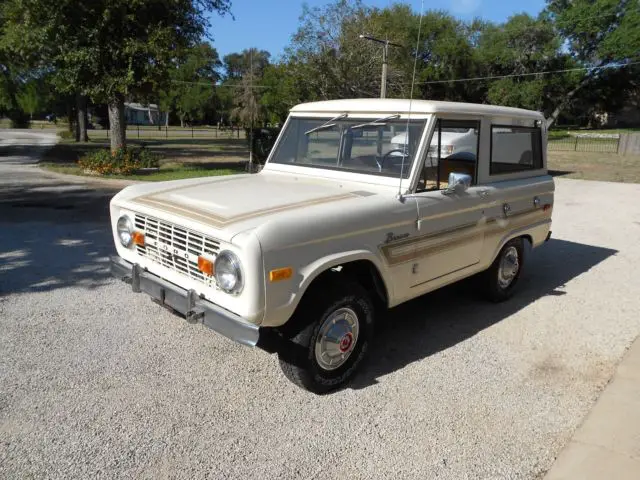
x=595 y=166
x=181 y=158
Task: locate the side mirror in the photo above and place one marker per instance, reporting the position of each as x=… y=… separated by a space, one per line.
x=458 y=183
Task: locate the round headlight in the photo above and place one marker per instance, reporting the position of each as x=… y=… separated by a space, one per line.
x=125 y=231
x=228 y=272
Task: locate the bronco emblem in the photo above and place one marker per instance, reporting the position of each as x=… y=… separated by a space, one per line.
x=391 y=237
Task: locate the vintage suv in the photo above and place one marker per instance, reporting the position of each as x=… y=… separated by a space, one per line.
x=299 y=258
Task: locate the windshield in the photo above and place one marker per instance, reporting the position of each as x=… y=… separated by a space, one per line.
x=370 y=146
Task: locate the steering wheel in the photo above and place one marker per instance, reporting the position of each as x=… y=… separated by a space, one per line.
x=386 y=155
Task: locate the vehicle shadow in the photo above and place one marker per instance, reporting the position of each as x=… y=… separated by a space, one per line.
x=441 y=319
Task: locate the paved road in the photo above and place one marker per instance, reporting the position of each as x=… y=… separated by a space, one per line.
x=97 y=381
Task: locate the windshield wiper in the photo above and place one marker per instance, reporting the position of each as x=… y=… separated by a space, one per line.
x=327 y=124
x=376 y=123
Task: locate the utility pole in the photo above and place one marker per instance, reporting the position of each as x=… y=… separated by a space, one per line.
x=385 y=61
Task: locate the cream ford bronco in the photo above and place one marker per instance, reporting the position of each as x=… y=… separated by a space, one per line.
x=299 y=258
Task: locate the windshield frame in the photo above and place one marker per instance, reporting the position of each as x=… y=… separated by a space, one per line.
x=352 y=175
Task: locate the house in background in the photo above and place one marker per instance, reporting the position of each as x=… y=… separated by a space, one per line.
x=139 y=114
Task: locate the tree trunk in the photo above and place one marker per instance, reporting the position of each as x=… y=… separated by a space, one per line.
x=182 y=121
x=565 y=101
x=81 y=124
x=117 y=127
x=166 y=119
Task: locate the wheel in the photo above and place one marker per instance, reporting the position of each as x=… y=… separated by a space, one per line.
x=501 y=278
x=328 y=337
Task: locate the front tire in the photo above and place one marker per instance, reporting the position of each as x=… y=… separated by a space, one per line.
x=328 y=338
x=501 y=278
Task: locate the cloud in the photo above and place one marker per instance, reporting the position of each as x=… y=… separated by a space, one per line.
x=464 y=6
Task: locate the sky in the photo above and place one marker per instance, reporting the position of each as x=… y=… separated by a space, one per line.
x=269 y=24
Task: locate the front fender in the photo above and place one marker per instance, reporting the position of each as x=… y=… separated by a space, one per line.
x=281 y=304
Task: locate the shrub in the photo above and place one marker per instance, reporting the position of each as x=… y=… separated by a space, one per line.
x=120 y=162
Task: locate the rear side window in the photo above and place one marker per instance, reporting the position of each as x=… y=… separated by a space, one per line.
x=515 y=149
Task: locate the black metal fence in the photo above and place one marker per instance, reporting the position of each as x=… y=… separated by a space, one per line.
x=138 y=131
x=599 y=143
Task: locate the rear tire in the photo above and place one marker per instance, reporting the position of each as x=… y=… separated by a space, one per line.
x=501 y=278
x=328 y=338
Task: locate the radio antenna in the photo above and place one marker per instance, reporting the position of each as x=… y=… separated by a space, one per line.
x=413 y=81
x=251 y=106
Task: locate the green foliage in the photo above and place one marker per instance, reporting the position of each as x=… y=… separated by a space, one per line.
x=120 y=162
x=328 y=56
x=599 y=31
x=237 y=64
x=282 y=90
x=511 y=93
x=29 y=99
x=106 y=50
x=191 y=90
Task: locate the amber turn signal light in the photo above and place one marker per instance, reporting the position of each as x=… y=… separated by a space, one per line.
x=138 y=238
x=205 y=266
x=280 y=274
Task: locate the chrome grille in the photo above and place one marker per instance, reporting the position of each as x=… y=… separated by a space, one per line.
x=175 y=247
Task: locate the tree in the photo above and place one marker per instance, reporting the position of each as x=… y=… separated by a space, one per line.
x=246 y=99
x=282 y=89
x=29 y=99
x=446 y=53
x=329 y=56
x=599 y=33
x=109 y=49
x=523 y=46
x=191 y=89
x=237 y=64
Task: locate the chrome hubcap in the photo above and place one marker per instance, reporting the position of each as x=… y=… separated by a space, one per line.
x=509 y=266
x=337 y=338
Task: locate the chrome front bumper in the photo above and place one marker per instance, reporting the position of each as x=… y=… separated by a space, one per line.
x=186 y=302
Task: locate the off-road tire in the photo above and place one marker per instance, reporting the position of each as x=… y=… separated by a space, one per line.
x=297 y=350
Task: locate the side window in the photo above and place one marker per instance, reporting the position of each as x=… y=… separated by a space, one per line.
x=453 y=148
x=515 y=149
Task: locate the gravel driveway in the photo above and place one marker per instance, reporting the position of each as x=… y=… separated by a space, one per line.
x=98 y=381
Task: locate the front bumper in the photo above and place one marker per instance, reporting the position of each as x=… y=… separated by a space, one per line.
x=186 y=302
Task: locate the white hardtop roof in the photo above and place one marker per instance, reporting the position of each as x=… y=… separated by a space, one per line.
x=392 y=105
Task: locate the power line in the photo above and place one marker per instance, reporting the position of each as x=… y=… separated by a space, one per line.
x=495 y=77
x=211 y=84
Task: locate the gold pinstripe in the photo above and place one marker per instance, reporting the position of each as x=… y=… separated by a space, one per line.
x=219 y=221
x=420 y=246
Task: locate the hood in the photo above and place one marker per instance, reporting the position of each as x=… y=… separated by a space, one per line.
x=237 y=202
